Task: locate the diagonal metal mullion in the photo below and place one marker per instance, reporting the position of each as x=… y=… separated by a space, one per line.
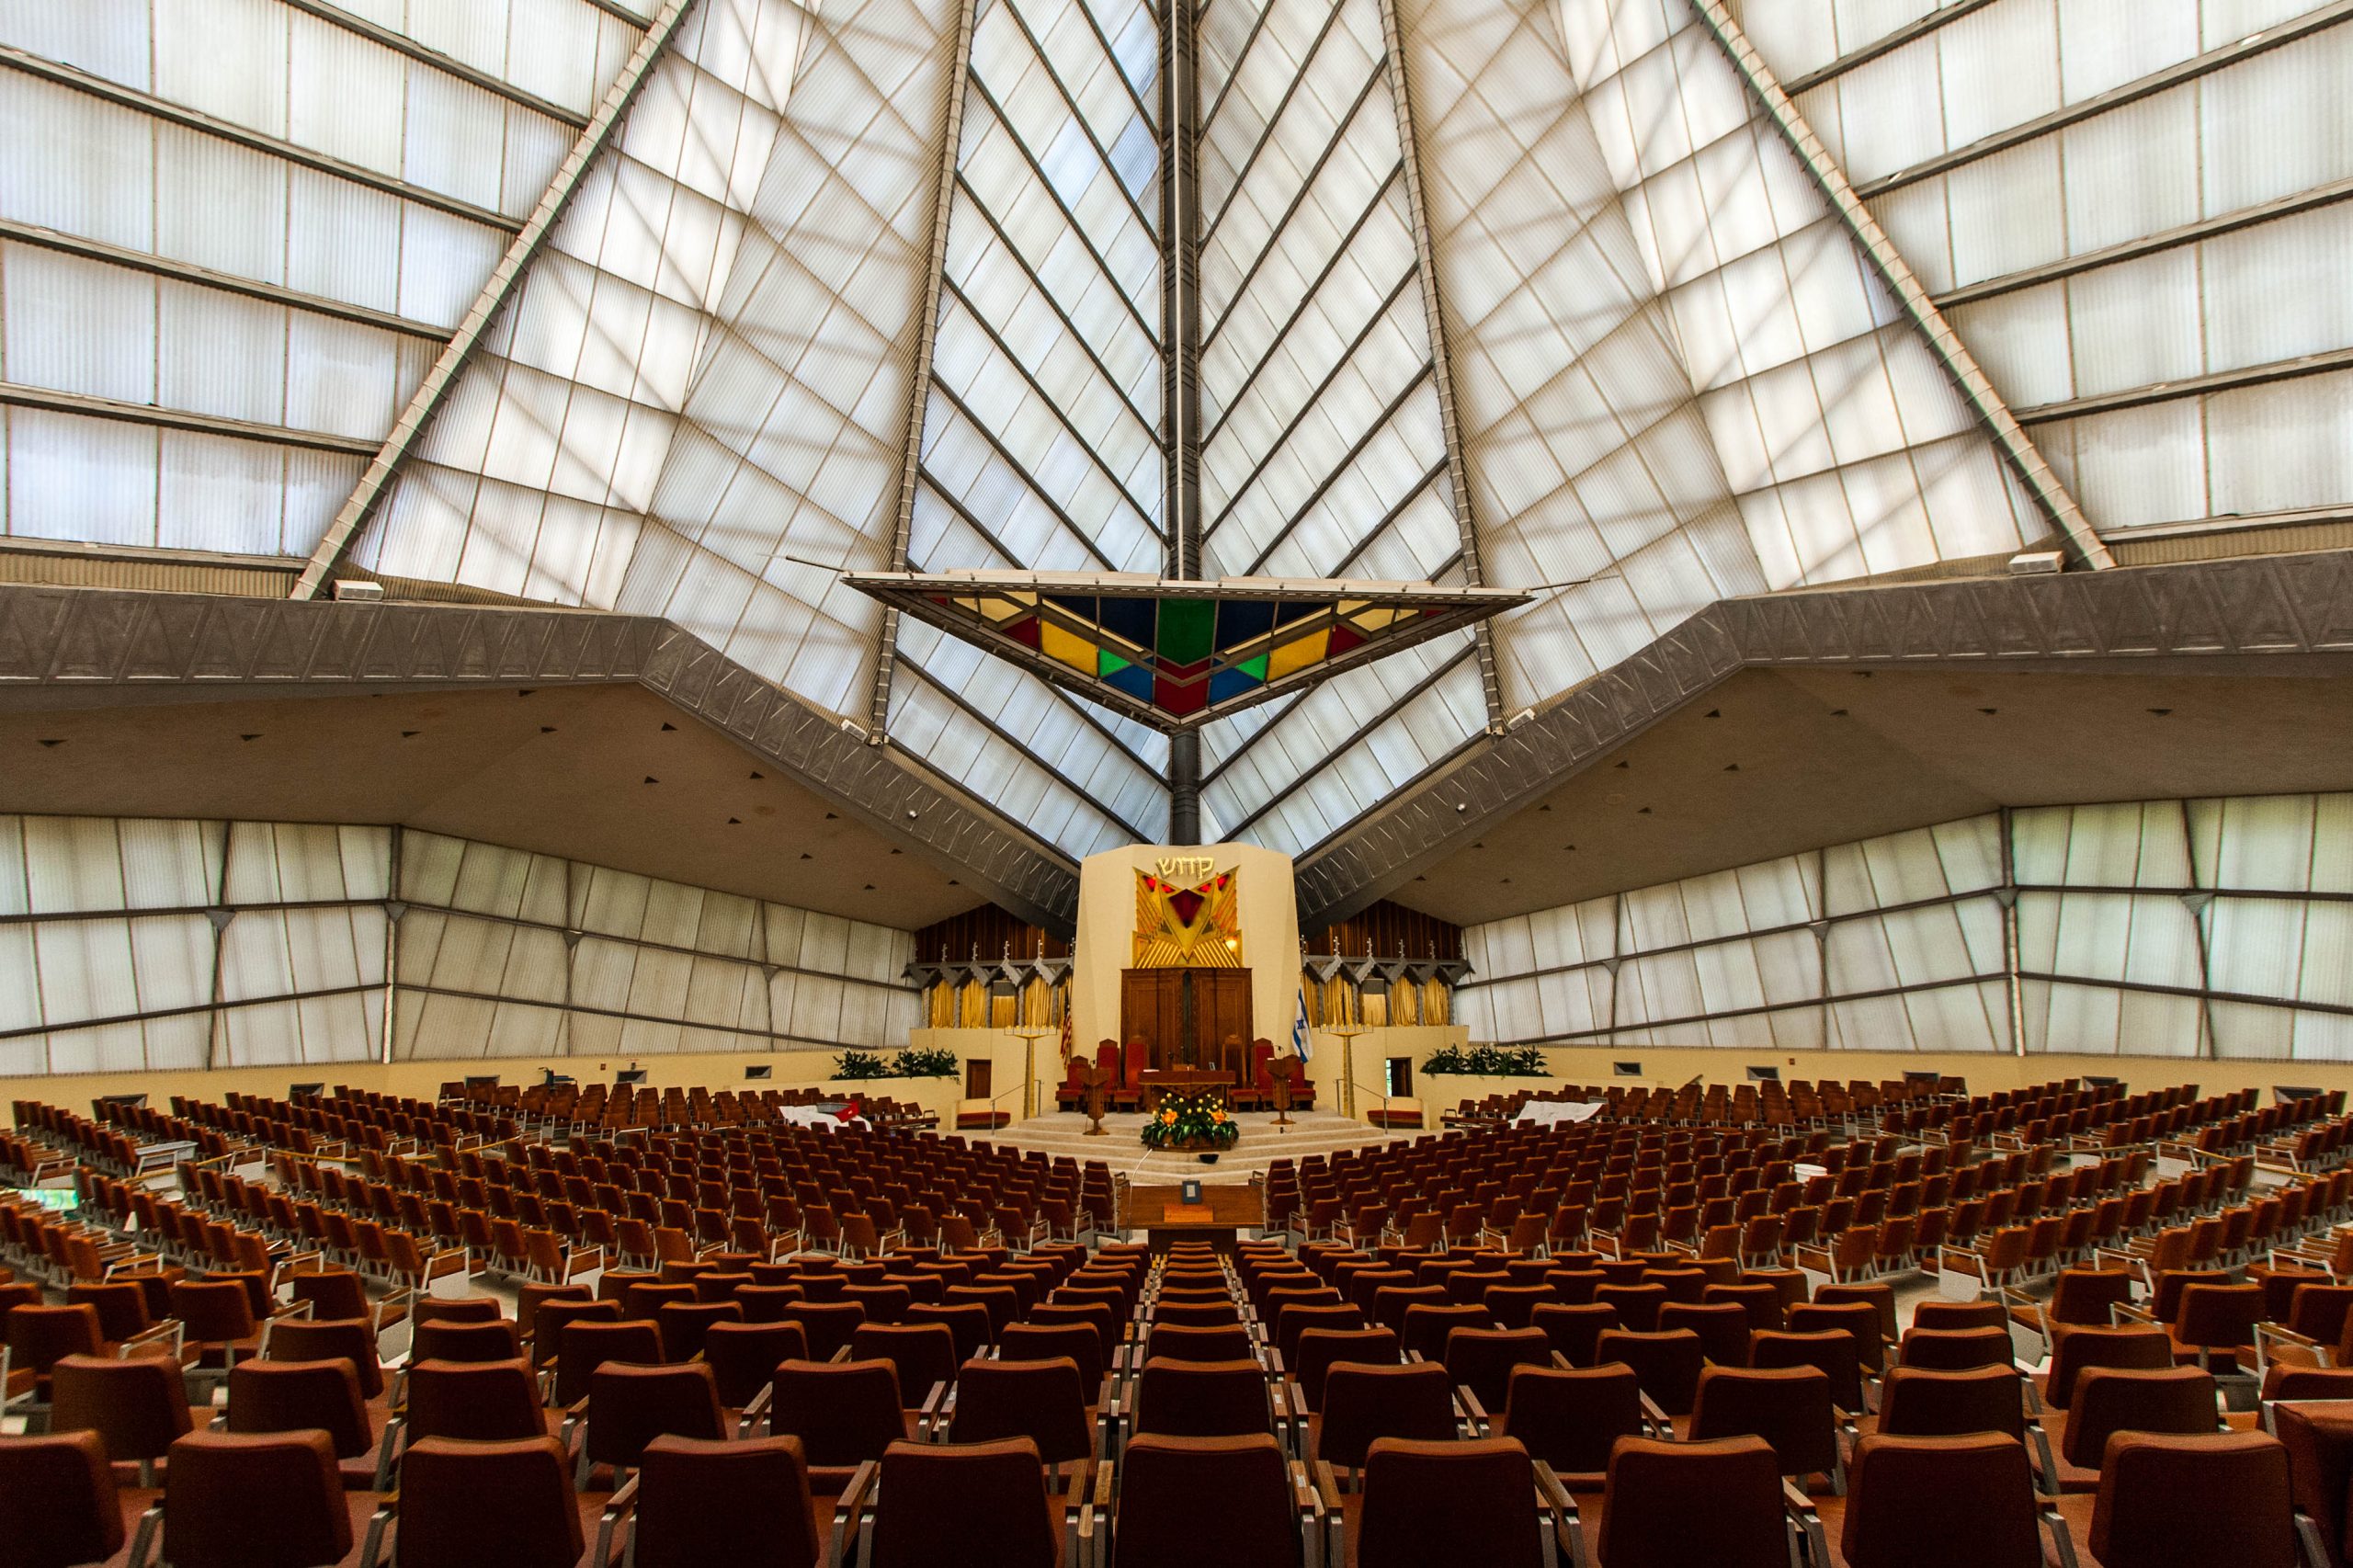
x=1299 y=197
x=1372 y=534
x=1077 y=229
x=1142 y=112
x=1004 y=454
x=1233 y=74
x=1060 y=417
x=1357 y=737
x=1265 y=133
x=1102 y=154
x=989 y=723
x=1307 y=404
x=1331 y=264
x=1051 y=303
x=1341 y=467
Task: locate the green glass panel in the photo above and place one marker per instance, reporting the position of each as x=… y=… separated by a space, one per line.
x=1255 y=668
x=1185 y=627
x=1109 y=662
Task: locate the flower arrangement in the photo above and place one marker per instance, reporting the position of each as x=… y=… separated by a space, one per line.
x=1194 y=1120
x=910 y=1063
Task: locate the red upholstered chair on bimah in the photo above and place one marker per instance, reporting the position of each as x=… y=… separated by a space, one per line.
x=1070 y=1094
x=1118 y=1093
x=1135 y=1061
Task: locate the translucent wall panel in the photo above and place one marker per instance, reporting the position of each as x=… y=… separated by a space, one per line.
x=366 y=278
x=130 y=945
x=2195 y=929
x=504 y=953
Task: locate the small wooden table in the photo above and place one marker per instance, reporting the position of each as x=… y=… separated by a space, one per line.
x=1156 y=1081
x=1226 y=1210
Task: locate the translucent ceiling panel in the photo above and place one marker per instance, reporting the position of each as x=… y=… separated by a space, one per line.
x=1321 y=443
x=537 y=477
x=1041 y=441
x=2103 y=256
x=264 y=215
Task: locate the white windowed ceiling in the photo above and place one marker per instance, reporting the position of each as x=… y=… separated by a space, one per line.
x=1324 y=453
x=127 y=181
x=1040 y=444
x=2197 y=929
x=2270 y=128
x=108 y=957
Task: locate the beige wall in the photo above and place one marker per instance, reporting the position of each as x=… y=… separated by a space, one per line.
x=1107 y=925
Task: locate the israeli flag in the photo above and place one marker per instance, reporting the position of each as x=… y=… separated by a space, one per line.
x=1302 y=1044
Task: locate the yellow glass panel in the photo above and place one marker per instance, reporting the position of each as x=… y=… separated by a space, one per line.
x=1375 y=618
x=1299 y=654
x=997 y=609
x=1056 y=643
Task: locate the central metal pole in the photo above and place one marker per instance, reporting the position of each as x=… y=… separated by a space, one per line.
x=1180 y=357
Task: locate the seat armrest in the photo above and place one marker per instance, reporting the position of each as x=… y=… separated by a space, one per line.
x=388 y=1450
x=848 y=1511
x=1468 y=1402
x=617 y=1509
x=1568 y=1529
x=150 y=1529
x=1662 y=1424
x=372 y=1549
x=2038 y=1448
x=1804 y=1522
x=2062 y=1544
x=933 y=1415
x=2122 y=1314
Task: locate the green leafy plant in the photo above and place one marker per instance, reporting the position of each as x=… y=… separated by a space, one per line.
x=915 y=1063
x=860 y=1064
x=1488 y=1062
x=1197 y=1120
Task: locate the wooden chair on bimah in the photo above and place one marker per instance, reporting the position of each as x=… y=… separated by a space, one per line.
x=1251 y=1082
x=1125 y=1089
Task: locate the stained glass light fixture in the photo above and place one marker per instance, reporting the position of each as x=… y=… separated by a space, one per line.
x=1177 y=653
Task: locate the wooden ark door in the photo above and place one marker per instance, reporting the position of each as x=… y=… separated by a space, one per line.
x=1152 y=1004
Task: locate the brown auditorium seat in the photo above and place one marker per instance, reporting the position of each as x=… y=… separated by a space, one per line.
x=1045 y=1401
x=294 y=1396
x=329 y=1340
x=587 y=1343
x=1575 y=1330
x=1261 y=1518
x=1667 y=1363
x=2177 y=1400
x=684 y=1324
x=1446 y=1502
x=38 y=1337
x=1943 y=1315
x=2080 y=1349
x=1364 y=1404
x=1954 y=1349
x=1943 y=1502
x=1481 y=1360
x=505 y=1504
x=1569 y=1417
x=968 y=1322
x=828 y=1325
x=1202 y=1399
x=743 y=1503
x=843 y=1413
x=137 y=1406
x=1649 y=1520
x=1723 y=1327
x=932 y=1502
x=457 y=1309
x=212 y=1482
x=630 y=1406
x=1177 y=1342
x=1787 y=1406
x=1918 y=1403
x=441 y=1339
x=58 y=1495
x=551 y=1317
x=1425 y=1329
x=2171 y=1501
x=1321 y=1349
